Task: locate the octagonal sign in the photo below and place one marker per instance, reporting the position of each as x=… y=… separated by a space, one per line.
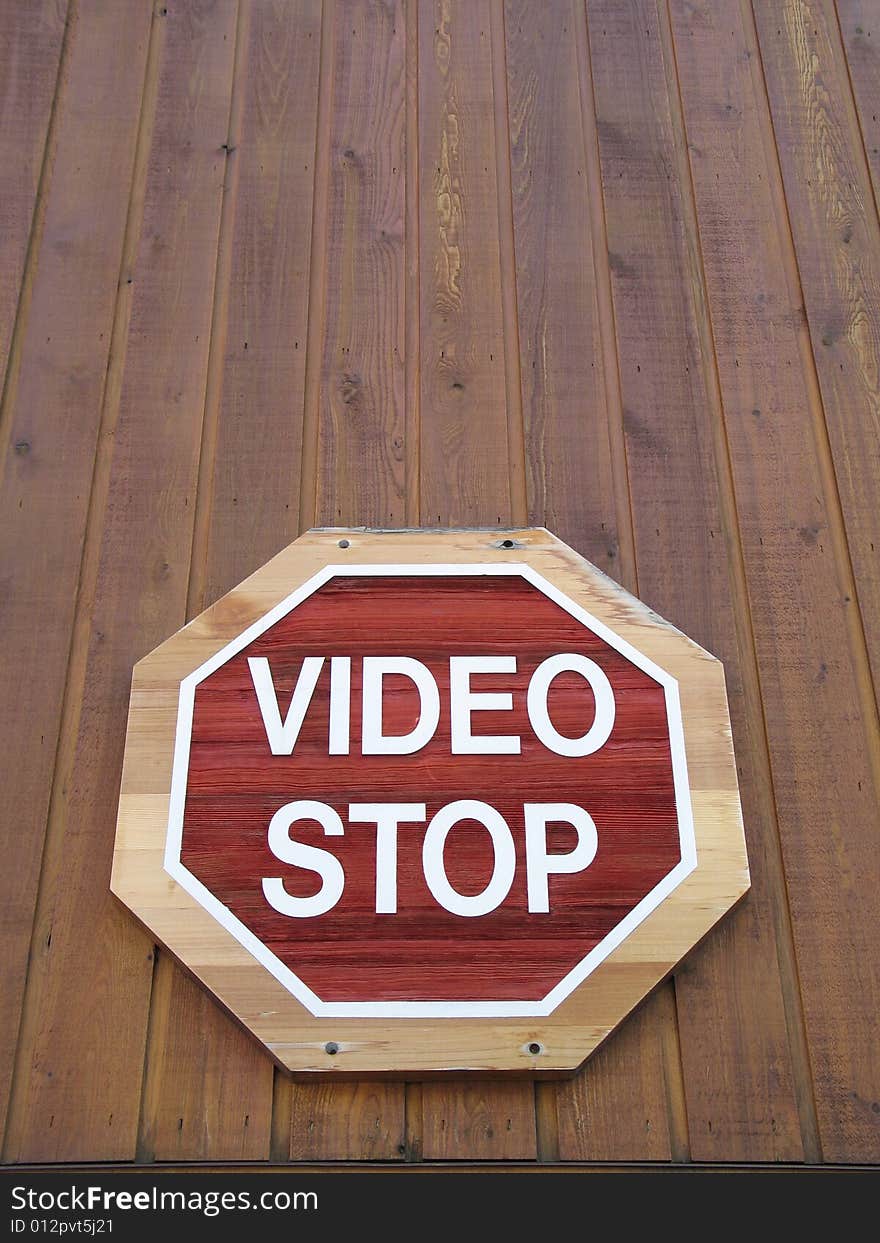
x=416 y=801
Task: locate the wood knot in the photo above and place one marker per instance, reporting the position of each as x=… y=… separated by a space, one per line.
x=350 y=388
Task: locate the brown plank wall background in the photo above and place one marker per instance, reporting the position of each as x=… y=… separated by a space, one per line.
x=611 y=269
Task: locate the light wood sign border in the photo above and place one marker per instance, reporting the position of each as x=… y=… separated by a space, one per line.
x=713 y=878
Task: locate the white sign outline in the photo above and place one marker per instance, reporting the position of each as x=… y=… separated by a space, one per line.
x=427 y=1009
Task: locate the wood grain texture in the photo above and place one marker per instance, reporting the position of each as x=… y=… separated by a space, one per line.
x=800 y=593
x=347 y=1122
x=860 y=30
x=685 y=537
x=836 y=234
x=348 y=1044
x=412 y=358
x=484 y=1122
x=31 y=38
x=248 y=506
x=54 y=407
x=570 y=393
x=362 y=439
x=252 y=497
x=722 y=117
x=134 y=590
x=602 y=1089
x=464 y=436
x=190 y=1106
x=464 y=426
x=422 y=951
x=618 y=1104
x=360 y=432
x=207 y=1085
x=570 y=485
x=778 y=1002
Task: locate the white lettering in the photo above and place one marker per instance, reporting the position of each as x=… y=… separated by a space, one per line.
x=373 y=739
x=340 y=704
x=503 y=868
x=386 y=817
x=539 y=686
x=540 y=865
x=298 y=854
x=463 y=701
x=282 y=735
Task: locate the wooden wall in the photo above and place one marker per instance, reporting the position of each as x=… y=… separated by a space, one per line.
x=614 y=270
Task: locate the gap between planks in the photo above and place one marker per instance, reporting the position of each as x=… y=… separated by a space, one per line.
x=308 y=493
x=412 y=1092
x=624 y=517
x=195 y=601
x=412 y=251
x=516 y=445
x=544 y=1104
x=859 y=124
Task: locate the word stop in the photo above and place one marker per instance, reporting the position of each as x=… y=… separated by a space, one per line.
x=387 y=818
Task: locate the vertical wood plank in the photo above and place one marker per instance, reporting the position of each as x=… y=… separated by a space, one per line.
x=54 y=414
x=412 y=1093
x=837 y=242
x=569 y=410
x=609 y=1113
x=217 y=1103
x=413 y=359
x=568 y=464
x=516 y=436
x=362 y=449
x=208 y=1084
x=860 y=30
x=478 y=1122
x=464 y=439
x=617 y=1108
x=347 y=1122
x=88 y=990
x=251 y=506
x=731 y=996
x=361 y=421
x=465 y=455
x=31 y=36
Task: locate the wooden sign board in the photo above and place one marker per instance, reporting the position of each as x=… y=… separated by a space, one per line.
x=415 y=801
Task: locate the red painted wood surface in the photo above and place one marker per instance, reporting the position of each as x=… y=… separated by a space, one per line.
x=424 y=952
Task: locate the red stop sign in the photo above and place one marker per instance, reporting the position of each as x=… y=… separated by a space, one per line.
x=429 y=790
